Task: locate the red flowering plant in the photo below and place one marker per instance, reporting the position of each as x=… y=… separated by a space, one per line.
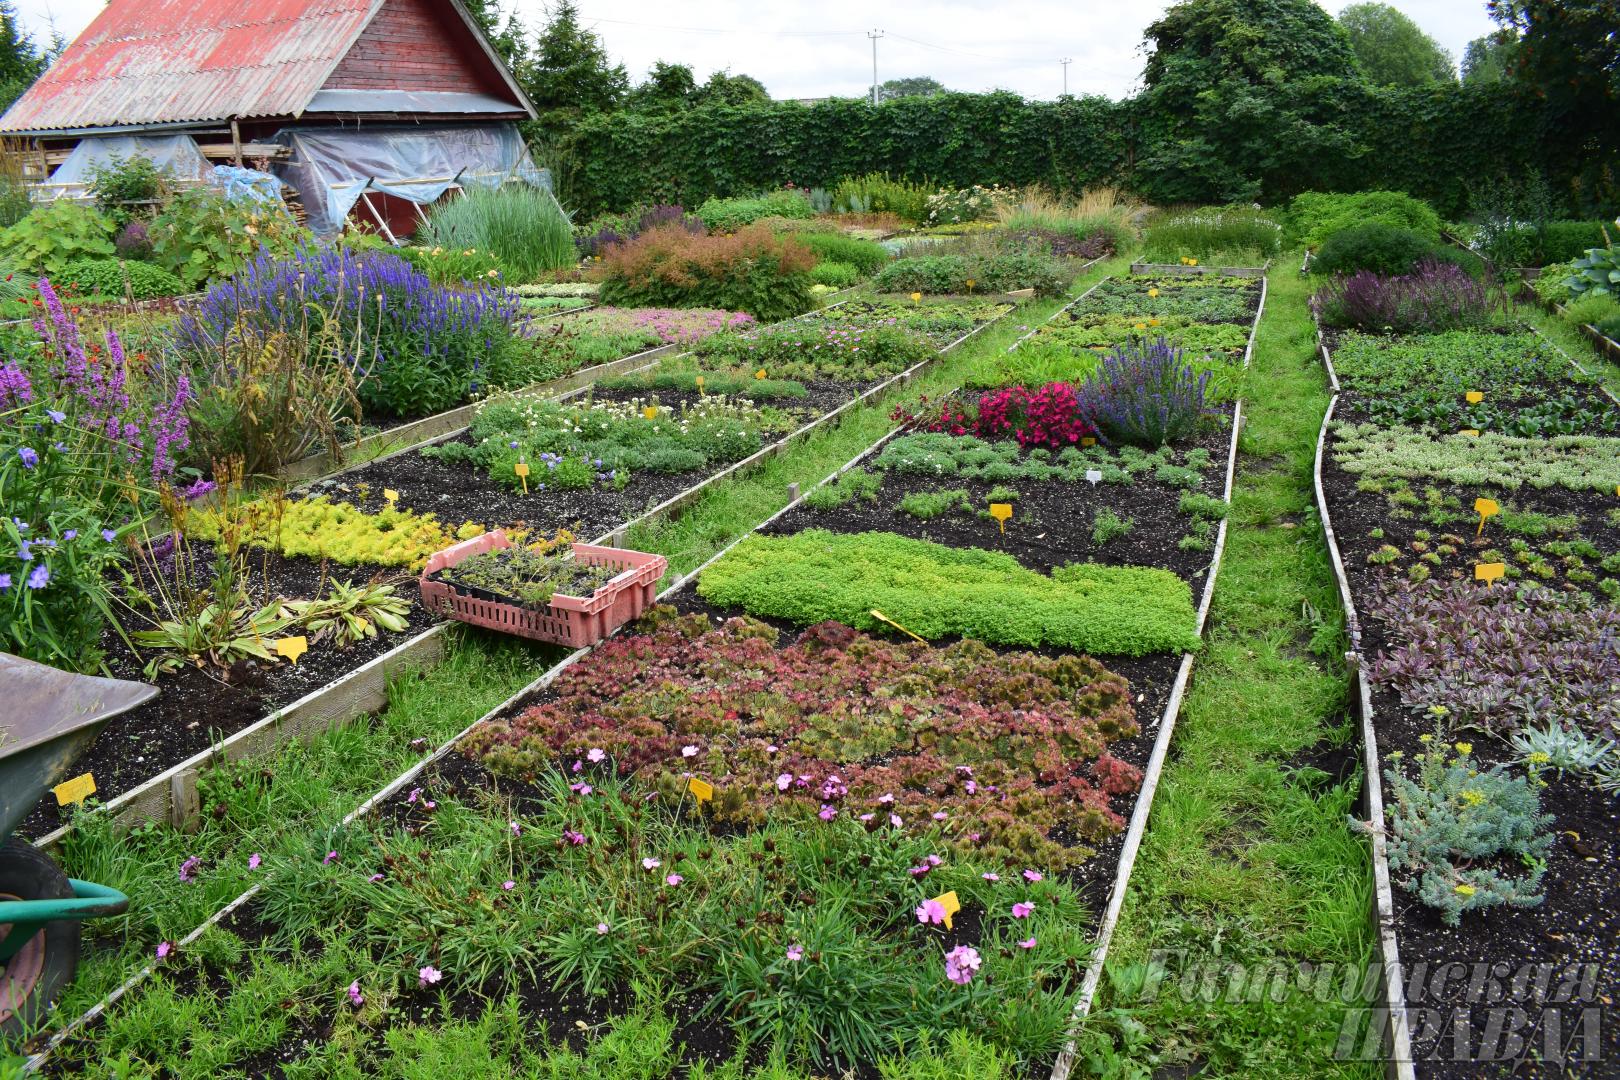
x=1002 y=753
x=1052 y=415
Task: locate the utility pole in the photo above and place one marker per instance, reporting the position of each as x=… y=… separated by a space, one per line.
x=1066 y=61
x=874 y=35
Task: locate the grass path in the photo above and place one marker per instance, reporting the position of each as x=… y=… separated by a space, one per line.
x=1247 y=858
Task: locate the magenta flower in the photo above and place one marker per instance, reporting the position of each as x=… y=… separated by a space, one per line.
x=991 y=877
x=374 y=878
x=673 y=879
x=580 y=789
x=940 y=815
x=358 y=999
x=795 y=953
x=828 y=812
x=931 y=912
x=595 y=754
x=602 y=928
x=517 y=830
x=1032 y=875
x=650 y=863
x=1027 y=943
x=783 y=781
x=961 y=963
x=331 y=857
x=1022 y=911
x=188 y=869
x=575 y=838
x=164 y=949
x=427 y=976
x=416 y=793
x=254 y=860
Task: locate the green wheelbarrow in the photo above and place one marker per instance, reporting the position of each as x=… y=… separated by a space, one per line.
x=48 y=718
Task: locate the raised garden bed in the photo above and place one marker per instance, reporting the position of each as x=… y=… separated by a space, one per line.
x=1435 y=650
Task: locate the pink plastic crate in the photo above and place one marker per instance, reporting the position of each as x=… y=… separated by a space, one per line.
x=575 y=621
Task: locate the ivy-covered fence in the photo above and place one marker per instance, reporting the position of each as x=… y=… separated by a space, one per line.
x=1434 y=143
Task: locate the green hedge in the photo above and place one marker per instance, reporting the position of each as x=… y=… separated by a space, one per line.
x=1435 y=143
x=936 y=591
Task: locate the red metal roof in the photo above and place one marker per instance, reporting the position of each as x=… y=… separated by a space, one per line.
x=174 y=61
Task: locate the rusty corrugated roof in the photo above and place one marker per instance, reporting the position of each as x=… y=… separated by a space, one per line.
x=177 y=61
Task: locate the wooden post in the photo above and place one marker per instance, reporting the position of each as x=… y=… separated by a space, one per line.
x=793 y=493
x=44 y=167
x=185 y=805
x=236 y=143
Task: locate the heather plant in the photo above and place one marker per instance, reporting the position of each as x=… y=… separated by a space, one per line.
x=1451 y=819
x=752 y=270
x=1502 y=658
x=425 y=346
x=936 y=592
x=522 y=224
x=134 y=241
x=1573 y=462
x=1434 y=298
x=1145 y=395
x=998 y=755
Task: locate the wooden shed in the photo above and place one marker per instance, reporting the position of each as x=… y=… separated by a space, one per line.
x=369 y=107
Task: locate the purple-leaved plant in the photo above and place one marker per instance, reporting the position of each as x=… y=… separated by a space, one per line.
x=1437 y=296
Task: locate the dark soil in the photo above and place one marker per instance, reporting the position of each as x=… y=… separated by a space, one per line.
x=1579 y=921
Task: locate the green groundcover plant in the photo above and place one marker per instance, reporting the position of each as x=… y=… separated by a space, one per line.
x=109 y=277
x=1572 y=462
x=1006 y=272
x=1315 y=216
x=937 y=592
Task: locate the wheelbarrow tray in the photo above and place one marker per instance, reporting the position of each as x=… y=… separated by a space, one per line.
x=50 y=718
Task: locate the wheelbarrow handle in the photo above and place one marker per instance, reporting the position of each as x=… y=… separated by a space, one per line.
x=89 y=901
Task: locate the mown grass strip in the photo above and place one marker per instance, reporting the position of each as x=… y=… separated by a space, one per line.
x=1247 y=859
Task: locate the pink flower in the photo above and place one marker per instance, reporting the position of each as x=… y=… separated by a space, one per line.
x=940 y=815
x=1032 y=875
x=795 y=953
x=961 y=963
x=931 y=912
x=1027 y=943
x=429 y=804
x=783 y=781
x=894 y=819
x=867 y=817
x=580 y=789
x=508 y=886
x=828 y=812
x=254 y=860
x=602 y=928
x=1022 y=911
x=164 y=949
x=595 y=754
x=771 y=749
x=418 y=744
x=673 y=879
x=971 y=786
x=689 y=751
x=650 y=863
x=428 y=975
x=374 y=878
x=991 y=877
x=355 y=996
x=331 y=857
x=575 y=838
x=416 y=793
x=885 y=799
x=517 y=830
x=188 y=868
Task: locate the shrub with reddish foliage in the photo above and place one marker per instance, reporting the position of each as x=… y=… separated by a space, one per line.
x=1049 y=416
x=752 y=270
x=1002 y=753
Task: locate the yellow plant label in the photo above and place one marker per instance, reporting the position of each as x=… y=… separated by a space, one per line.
x=76 y=790
x=970 y=284
x=1153 y=291
x=1141 y=326
x=1192 y=262
x=701 y=790
x=391 y=495
x=950 y=903
x=1473 y=431
x=1001 y=512
x=521 y=468
x=916 y=296
x=292 y=647
x=878 y=615
x=650 y=411
x=1153 y=322
x=1485 y=508
x=1474 y=397
x=760 y=374
x=1488 y=572
x=1087 y=440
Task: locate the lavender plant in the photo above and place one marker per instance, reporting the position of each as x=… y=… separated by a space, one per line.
x=425 y=346
x=1145 y=394
x=1435 y=297
x=1499 y=659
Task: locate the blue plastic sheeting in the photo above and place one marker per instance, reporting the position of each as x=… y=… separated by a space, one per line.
x=333 y=167
x=176 y=153
x=248 y=185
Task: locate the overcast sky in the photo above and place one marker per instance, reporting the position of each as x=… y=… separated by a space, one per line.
x=800 y=51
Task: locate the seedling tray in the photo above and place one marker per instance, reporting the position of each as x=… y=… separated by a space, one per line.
x=574 y=621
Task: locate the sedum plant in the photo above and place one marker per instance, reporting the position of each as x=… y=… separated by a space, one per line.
x=1560 y=748
x=1451 y=816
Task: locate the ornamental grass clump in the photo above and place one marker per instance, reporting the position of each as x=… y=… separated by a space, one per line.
x=1002 y=755
x=523 y=224
x=1146 y=395
x=1435 y=297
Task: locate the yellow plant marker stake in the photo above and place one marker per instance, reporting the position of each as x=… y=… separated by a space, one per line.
x=1088 y=440
x=522 y=470
x=1471 y=431
x=701 y=790
x=1001 y=512
x=970 y=284
x=760 y=374
x=1488 y=572
x=1141 y=326
x=878 y=615
x=950 y=903
x=391 y=495
x=700 y=384
x=650 y=411
x=1153 y=291
x=1474 y=397
x=292 y=648
x=1485 y=508
x=76 y=790
x=915 y=297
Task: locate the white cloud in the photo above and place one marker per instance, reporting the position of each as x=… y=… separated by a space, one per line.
x=801 y=51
